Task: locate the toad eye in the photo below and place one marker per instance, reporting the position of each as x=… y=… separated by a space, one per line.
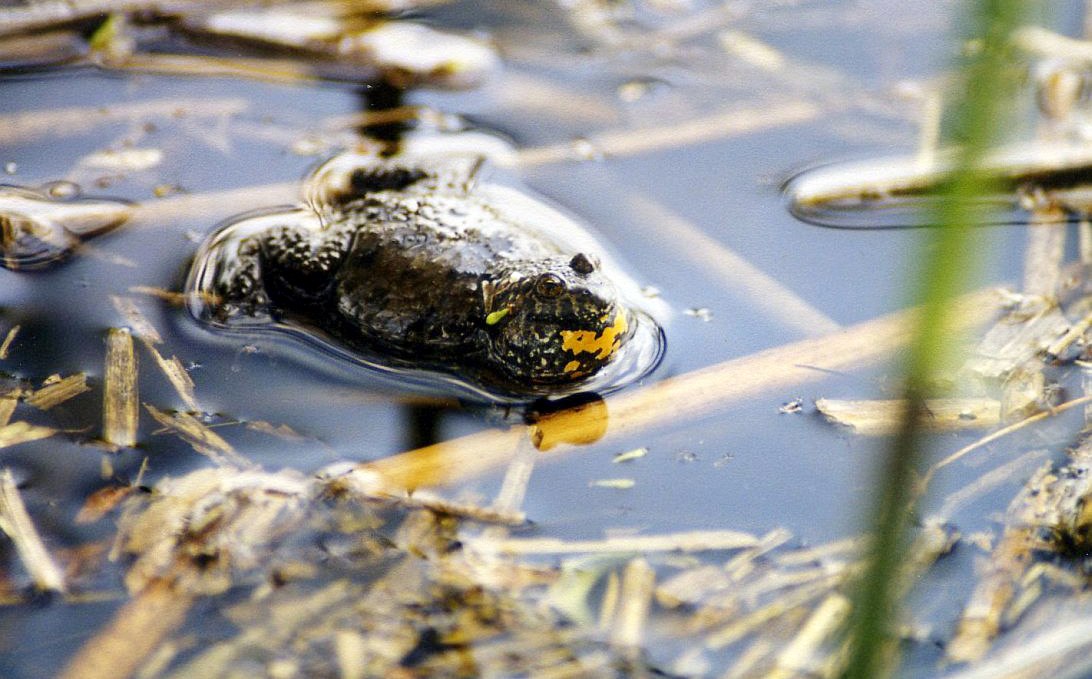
x=549 y=286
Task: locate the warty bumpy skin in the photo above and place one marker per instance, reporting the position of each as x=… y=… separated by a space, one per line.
x=411 y=261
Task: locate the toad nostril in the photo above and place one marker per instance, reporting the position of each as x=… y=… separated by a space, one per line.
x=582 y=264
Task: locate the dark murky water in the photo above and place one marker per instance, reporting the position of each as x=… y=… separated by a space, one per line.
x=747 y=468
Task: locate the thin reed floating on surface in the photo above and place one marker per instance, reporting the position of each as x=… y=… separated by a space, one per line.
x=882 y=417
x=16 y=523
x=200 y=437
x=9 y=339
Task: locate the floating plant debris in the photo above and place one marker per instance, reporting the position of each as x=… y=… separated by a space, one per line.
x=422 y=267
x=895 y=192
x=37 y=230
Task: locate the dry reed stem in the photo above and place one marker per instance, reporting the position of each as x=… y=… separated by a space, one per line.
x=136 y=630
x=883 y=417
x=120 y=399
x=24 y=127
x=752 y=285
x=1004 y=431
x=171 y=367
x=16 y=523
x=1020 y=467
x=638 y=583
x=687 y=541
x=56 y=393
x=5 y=346
x=677 y=134
x=1044 y=253
x=694 y=395
x=22 y=432
x=797 y=658
x=8 y=401
x=800 y=596
x=201 y=438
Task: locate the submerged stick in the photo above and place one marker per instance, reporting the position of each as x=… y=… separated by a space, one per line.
x=693 y=395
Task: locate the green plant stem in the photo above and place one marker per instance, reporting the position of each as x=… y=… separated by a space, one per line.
x=946 y=263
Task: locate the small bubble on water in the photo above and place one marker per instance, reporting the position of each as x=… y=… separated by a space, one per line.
x=11 y=168
x=724 y=460
x=633 y=90
x=701 y=313
x=650 y=292
x=586 y=150
x=686 y=457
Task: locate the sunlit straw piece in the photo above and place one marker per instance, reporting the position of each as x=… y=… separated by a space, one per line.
x=1004 y=431
x=884 y=417
x=9 y=339
x=171 y=367
x=120 y=399
x=16 y=523
x=759 y=617
x=797 y=658
x=608 y=605
x=1069 y=643
x=200 y=437
x=1075 y=332
x=1006 y=473
x=694 y=395
x=144 y=330
x=1046 y=43
x=687 y=541
x=8 y=401
x=675 y=134
x=1045 y=252
x=137 y=629
x=15 y=433
x=57 y=390
x=638 y=582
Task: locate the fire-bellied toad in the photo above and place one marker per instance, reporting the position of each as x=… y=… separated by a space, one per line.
x=416 y=260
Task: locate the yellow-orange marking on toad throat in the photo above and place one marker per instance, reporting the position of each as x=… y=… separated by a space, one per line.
x=603 y=344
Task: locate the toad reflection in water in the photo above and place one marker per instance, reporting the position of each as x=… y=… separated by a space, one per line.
x=416 y=264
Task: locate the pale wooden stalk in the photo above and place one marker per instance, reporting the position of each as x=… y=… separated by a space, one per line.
x=120 y=398
x=16 y=523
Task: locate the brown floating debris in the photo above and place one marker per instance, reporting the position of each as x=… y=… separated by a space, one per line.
x=16 y=523
x=883 y=417
x=57 y=390
x=102 y=502
x=200 y=437
x=5 y=346
x=120 y=401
